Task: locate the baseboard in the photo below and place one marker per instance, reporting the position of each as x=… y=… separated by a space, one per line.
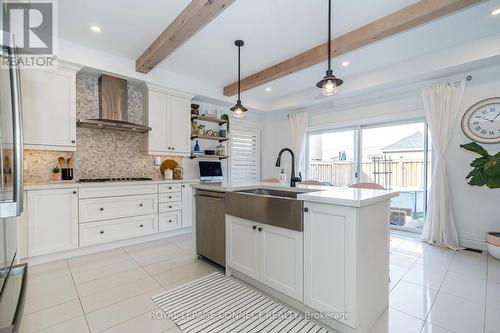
x=102 y=247
x=473 y=243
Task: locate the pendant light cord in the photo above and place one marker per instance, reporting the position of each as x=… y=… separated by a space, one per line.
x=329 y=34
x=239 y=72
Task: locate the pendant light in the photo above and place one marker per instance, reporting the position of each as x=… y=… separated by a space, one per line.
x=329 y=83
x=239 y=110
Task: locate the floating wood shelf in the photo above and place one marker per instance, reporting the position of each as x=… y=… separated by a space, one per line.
x=209 y=156
x=207 y=118
x=208 y=137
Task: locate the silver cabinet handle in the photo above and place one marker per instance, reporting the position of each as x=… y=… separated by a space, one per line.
x=140 y=205
x=101 y=209
x=101 y=232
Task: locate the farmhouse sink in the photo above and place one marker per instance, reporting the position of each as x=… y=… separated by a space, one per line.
x=268 y=206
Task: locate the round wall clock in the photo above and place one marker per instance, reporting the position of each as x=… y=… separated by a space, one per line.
x=481 y=123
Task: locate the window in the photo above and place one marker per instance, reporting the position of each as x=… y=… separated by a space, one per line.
x=395 y=156
x=245 y=155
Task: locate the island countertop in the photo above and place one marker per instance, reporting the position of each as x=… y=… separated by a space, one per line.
x=344 y=196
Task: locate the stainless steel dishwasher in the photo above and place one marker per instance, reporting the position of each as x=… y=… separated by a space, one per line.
x=211 y=226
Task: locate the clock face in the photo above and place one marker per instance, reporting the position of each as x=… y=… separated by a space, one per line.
x=481 y=122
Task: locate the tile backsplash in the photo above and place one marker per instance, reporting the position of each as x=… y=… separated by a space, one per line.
x=99 y=154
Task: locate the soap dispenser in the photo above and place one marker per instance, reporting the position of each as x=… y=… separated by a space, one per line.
x=282 y=177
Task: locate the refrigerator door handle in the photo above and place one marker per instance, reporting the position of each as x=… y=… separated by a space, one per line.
x=17 y=124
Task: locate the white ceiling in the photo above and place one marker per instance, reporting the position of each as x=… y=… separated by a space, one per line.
x=272 y=31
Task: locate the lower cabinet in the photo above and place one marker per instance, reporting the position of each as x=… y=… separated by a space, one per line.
x=268 y=254
x=52 y=218
x=169 y=221
x=187 y=206
x=111 y=230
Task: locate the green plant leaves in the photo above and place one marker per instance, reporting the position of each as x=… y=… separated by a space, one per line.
x=486 y=168
x=475 y=148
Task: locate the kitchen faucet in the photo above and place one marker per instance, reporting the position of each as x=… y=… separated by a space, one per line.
x=293 y=180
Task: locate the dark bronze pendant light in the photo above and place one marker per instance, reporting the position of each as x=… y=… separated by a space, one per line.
x=239 y=110
x=329 y=83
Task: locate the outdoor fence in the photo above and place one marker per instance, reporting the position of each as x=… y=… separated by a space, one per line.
x=400 y=173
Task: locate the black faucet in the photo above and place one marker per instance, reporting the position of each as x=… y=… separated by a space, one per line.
x=293 y=180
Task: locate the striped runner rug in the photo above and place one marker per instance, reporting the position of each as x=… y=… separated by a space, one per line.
x=216 y=303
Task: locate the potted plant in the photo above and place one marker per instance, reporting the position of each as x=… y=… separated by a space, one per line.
x=56 y=173
x=486 y=172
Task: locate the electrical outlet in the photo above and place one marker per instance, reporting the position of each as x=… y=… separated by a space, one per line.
x=26 y=164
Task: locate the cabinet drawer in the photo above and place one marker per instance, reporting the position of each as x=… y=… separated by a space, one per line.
x=170 y=206
x=170 y=197
x=116 y=207
x=169 y=221
x=112 y=230
x=116 y=191
x=170 y=188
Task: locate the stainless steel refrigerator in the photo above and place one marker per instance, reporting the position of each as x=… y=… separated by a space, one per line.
x=13 y=276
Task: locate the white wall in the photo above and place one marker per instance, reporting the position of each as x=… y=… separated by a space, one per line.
x=476 y=209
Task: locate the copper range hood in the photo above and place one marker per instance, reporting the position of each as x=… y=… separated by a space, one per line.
x=113 y=109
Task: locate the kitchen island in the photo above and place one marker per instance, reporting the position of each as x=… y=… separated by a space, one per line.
x=322 y=250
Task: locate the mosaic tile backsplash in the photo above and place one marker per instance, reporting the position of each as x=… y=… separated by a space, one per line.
x=99 y=154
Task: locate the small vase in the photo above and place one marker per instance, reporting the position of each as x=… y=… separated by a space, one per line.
x=56 y=176
x=493 y=244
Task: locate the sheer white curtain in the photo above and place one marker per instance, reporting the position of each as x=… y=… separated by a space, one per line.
x=441 y=104
x=298 y=128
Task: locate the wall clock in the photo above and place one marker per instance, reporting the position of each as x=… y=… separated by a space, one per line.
x=481 y=123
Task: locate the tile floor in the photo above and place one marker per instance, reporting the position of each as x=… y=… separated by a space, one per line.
x=432 y=290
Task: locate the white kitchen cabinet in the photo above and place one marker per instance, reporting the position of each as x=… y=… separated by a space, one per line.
x=281 y=260
x=242 y=246
x=268 y=254
x=169 y=221
x=49 y=108
x=187 y=206
x=168 y=114
x=52 y=218
x=97 y=209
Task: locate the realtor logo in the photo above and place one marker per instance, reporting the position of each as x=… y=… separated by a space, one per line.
x=33 y=26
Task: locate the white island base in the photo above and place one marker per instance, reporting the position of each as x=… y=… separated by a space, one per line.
x=336 y=270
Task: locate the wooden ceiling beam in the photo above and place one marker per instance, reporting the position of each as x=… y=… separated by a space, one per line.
x=402 y=20
x=192 y=19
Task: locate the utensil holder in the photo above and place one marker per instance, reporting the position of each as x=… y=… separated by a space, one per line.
x=67 y=173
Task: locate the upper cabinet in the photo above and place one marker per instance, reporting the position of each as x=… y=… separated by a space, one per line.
x=168 y=114
x=49 y=108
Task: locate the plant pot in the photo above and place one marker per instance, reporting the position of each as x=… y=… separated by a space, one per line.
x=67 y=173
x=493 y=244
x=56 y=176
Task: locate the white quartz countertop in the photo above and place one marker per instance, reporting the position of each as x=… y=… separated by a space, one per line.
x=344 y=196
x=73 y=184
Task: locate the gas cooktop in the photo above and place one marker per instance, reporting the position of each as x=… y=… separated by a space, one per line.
x=120 y=179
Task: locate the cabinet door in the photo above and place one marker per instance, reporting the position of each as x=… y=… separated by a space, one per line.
x=169 y=221
x=281 y=260
x=242 y=246
x=158 y=120
x=49 y=109
x=52 y=221
x=329 y=271
x=187 y=206
x=180 y=125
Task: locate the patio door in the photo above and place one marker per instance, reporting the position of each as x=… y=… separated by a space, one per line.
x=396 y=156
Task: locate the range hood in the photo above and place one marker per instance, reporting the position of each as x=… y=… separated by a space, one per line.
x=113 y=112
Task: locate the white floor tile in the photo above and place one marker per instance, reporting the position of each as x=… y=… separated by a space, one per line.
x=41 y=268
x=400 y=260
x=472 y=264
x=436 y=257
x=464 y=286
x=120 y=312
x=76 y=325
x=150 y=256
x=181 y=273
x=457 y=314
x=393 y=321
x=86 y=275
x=412 y=299
x=37 y=321
x=492 y=324
x=395 y=242
x=396 y=273
x=493 y=294
x=117 y=294
x=429 y=328
x=142 y=323
x=111 y=281
x=61 y=291
x=425 y=276
x=493 y=270
x=167 y=265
